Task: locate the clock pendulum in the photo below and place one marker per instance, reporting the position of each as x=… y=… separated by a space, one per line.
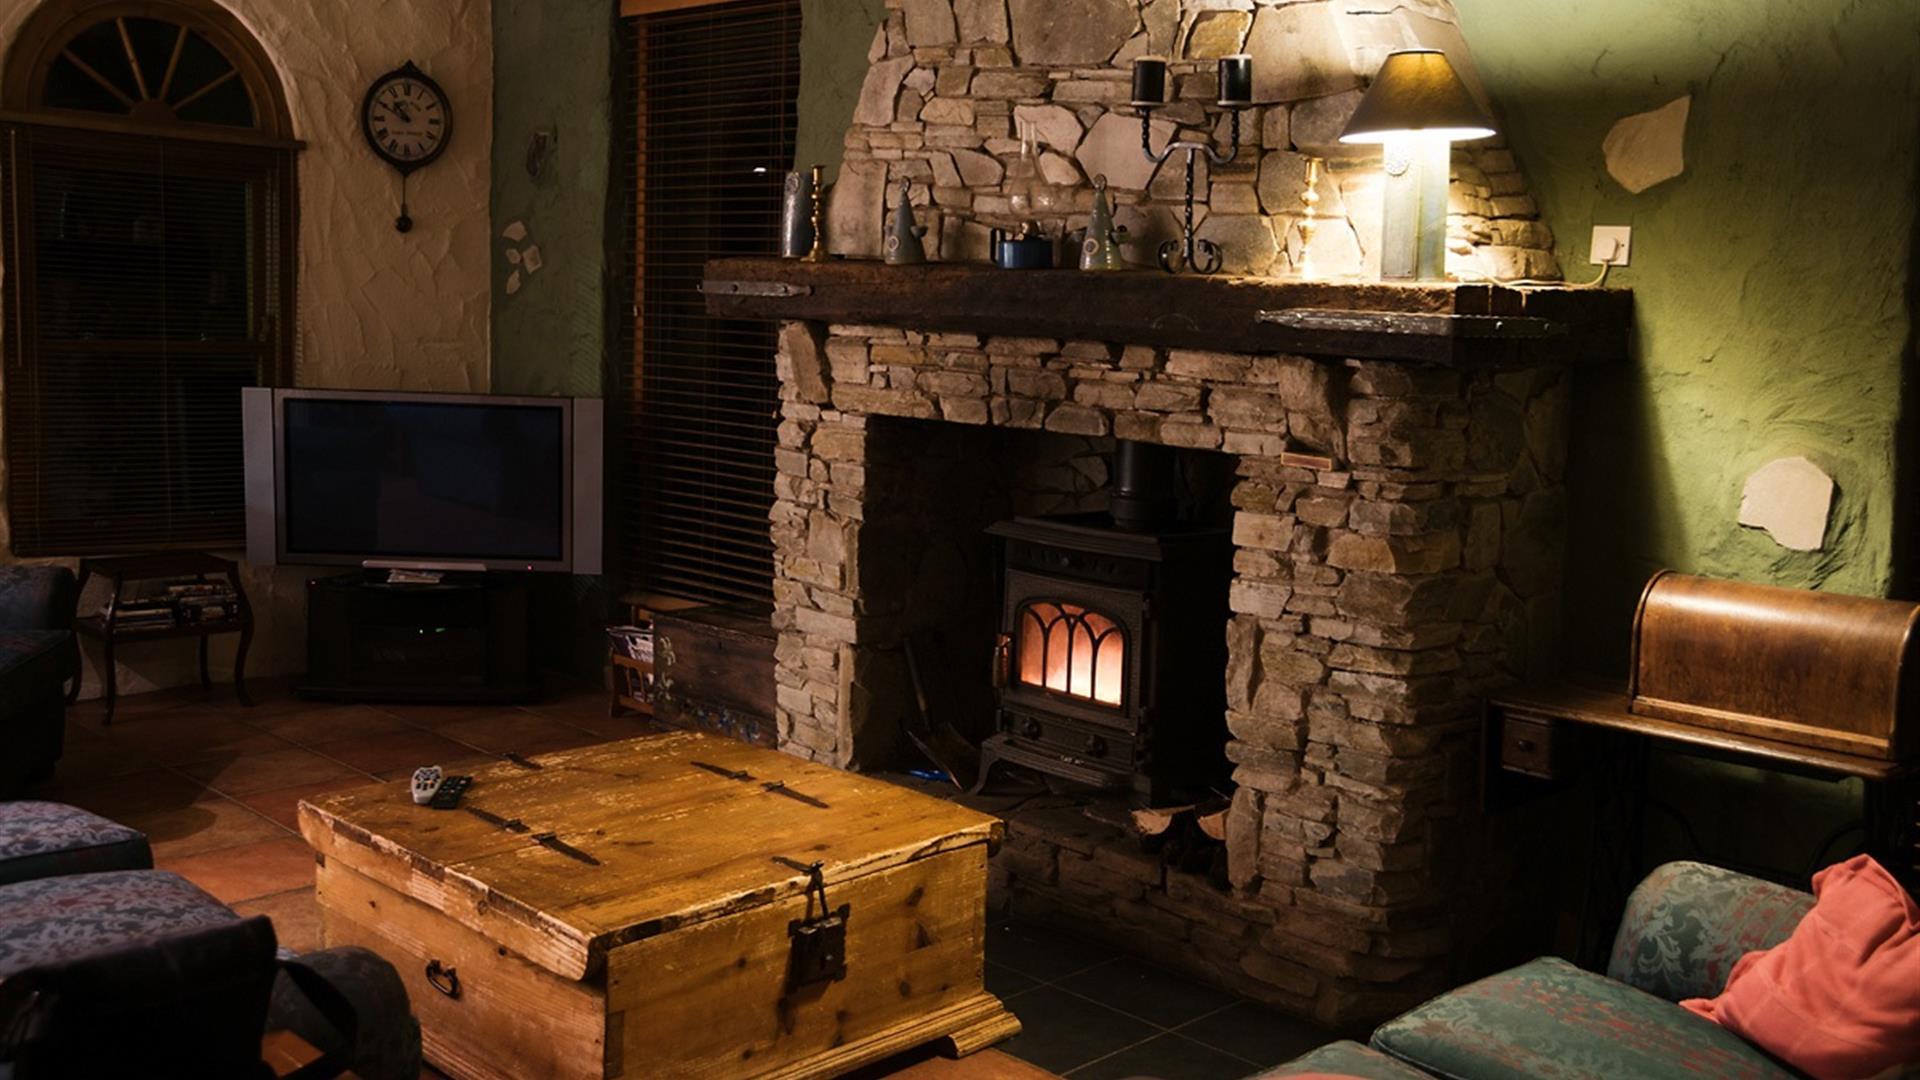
x=403 y=223
x=407 y=120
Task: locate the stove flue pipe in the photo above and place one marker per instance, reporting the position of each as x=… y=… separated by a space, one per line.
x=1143 y=493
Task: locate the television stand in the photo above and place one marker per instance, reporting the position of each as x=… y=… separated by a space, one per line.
x=465 y=639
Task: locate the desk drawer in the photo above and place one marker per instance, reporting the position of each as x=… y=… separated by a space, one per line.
x=1533 y=745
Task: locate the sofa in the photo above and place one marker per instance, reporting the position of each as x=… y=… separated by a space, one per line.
x=1684 y=928
x=75 y=885
x=38 y=657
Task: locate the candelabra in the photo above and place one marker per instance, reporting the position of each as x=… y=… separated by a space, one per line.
x=1149 y=93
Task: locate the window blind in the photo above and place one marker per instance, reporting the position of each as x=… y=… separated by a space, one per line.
x=146 y=285
x=713 y=93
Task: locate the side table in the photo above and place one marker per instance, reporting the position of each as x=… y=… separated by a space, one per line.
x=121 y=569
x=1546 y=736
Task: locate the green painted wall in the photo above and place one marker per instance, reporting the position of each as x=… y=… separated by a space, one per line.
x=1771 y=278
x=553 y=72
x=1775 y=295
x=834 y=38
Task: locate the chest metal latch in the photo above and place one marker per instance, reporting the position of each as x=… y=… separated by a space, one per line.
x=819 y=942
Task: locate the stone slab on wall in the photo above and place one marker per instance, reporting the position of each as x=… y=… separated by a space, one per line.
x=377 y=309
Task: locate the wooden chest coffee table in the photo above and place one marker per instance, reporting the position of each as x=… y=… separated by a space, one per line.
x=647 y=908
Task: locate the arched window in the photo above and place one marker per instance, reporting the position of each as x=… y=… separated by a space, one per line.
x=147 y=214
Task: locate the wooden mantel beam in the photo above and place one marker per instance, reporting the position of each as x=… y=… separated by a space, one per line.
x=1455 y=325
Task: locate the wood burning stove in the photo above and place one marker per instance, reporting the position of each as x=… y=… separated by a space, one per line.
x=1113 y=638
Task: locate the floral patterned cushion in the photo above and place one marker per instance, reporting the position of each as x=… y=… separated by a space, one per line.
x=55 y=919
x=1549 y=1020
x=46 y=839
x=24 y=650
x=58 y=918
x=1688 y=922
x=36 y=597
x=1345 y=1059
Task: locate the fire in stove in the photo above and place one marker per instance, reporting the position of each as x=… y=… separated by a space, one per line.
x=1071 y=650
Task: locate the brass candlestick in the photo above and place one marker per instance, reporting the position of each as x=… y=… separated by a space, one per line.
x=819 y=252
x=1309 y=199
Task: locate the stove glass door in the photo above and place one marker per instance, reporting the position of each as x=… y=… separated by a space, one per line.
x=1072 y=650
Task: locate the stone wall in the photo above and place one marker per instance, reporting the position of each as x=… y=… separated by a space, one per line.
x=952 y=82
x=1397 y=532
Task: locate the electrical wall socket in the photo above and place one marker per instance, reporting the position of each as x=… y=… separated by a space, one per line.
x=1612 y=245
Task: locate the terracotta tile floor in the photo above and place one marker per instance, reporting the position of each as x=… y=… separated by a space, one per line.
x=214 y=785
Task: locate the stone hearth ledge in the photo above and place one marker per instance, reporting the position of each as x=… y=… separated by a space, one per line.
x=1463 y=325
x=1397 y=533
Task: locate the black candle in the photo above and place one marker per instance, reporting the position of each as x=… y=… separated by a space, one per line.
x=1149 y=81
x=1236 y=80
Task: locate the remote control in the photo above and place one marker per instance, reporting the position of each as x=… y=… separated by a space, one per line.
x=450 y=791
x=426 y=781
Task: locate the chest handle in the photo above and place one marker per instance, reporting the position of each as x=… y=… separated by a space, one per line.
x=818 y=950
x=444 y=979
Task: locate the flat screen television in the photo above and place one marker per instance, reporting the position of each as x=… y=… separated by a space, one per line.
x=427 y=481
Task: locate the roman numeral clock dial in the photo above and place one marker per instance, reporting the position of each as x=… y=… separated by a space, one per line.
x=407 y=120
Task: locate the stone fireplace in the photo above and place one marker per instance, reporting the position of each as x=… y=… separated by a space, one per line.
x=1395 y=461
x=1391 y=461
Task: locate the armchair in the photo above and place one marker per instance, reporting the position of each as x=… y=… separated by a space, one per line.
x=38 y=655
x=1684 y=927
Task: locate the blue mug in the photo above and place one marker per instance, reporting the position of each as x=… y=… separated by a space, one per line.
x=1030 y=252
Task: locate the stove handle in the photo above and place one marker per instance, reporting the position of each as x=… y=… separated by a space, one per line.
x=1002 y=660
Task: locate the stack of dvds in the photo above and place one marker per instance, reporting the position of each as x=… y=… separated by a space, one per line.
x=635 y=641
x=149 y=613
x=203 y=601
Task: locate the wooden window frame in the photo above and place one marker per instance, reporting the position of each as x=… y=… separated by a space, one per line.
x=264 y=154
x=56 y=22
x=630 y=8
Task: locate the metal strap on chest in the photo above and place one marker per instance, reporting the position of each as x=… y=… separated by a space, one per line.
x=771 y=787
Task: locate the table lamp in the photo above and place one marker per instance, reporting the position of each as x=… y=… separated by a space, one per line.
x=1415 y=109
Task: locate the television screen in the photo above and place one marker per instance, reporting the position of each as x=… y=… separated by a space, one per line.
x=423 y=480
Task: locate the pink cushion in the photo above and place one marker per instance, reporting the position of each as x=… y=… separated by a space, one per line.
x=1841 y=996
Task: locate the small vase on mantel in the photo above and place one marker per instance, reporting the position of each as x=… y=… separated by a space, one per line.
x=1101 y=249
x=903 y=240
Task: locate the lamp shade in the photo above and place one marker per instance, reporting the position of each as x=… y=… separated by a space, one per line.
x=1417 y=92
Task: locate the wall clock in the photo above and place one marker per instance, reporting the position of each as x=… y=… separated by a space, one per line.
x=407 y=120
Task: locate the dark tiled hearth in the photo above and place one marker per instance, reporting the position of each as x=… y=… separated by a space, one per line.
x=1090 y=1012
x=215 y=784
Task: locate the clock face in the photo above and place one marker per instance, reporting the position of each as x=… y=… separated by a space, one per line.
x=406 y=118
